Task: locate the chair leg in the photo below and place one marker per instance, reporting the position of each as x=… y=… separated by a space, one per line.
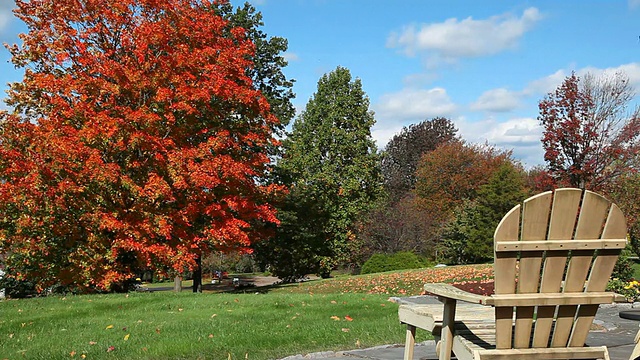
x=448 y=327
x=410 y=342
x=636 y=350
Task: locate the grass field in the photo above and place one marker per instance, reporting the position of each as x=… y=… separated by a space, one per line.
x=166 y=325
x=347 y=312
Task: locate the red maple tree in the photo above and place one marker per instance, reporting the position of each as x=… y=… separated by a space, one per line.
x=589 y=136
x=136 y=140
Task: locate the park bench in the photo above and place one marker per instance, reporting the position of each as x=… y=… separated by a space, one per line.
x=554 y=255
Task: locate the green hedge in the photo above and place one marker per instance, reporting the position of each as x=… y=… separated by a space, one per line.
x=398 y=261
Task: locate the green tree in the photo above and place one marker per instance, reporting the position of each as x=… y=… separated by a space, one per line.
x=330 y=161
x=266 y=74
x=469 y=237
x=625 y=192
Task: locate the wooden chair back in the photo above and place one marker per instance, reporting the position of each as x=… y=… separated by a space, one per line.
x=560 y=243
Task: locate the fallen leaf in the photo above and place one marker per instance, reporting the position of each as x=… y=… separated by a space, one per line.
x=11 y=336
x=92 y=342
x=348 y=318
x=214 y=315
x=210 y=336
x=111 y=348
x=180 y=309
x=73 y=353
x=126 y=337
x=158 y=330
x=83 y=356
x=236 y=300
x=124 y=328
x=358 y=343
x=345 y=330
x=335 y=318
x=333 y=302
x=109 y=327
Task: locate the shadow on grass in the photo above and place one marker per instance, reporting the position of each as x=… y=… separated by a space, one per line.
x=246 y=283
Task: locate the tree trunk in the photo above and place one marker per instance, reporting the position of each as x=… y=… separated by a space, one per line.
x=197 y=276
x=177 y=284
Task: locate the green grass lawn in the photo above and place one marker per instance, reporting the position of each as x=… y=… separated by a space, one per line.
x=347 y=312
x=166 y=325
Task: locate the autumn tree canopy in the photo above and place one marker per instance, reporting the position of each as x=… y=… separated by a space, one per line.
x=453 y=173
x=590 y=137
x=403 y=152
x=137 y=139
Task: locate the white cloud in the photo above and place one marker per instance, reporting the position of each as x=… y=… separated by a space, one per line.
x=455 y=38
x=546 y=84
x=289 y=56
x=516 y=132
x=418 y=104
x=632 y=70
x=551 y=82
x=497 y=100
x=521 y=135
x=6 y=6
x=408 y=106
x=383 y=135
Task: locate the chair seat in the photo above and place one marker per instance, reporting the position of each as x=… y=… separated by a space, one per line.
x=480 y=344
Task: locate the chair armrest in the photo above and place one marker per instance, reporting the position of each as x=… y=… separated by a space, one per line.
x=448 y=291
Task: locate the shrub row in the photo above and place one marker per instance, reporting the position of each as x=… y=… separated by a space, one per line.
x=398 y=261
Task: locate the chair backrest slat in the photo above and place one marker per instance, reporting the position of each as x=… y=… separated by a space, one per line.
x=565 y=214
x=535 y=219
x=505 y=275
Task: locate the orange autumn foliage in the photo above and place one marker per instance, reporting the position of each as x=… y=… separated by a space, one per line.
x=137 y=141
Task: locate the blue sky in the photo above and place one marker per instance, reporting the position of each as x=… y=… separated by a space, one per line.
x=483 y=64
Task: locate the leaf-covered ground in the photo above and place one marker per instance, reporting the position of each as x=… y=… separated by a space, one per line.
x=477 y=278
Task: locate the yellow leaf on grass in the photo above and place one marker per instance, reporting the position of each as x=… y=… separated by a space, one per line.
x=126 y=337
x=335 y=318
x=345 y=330
x=109 y=327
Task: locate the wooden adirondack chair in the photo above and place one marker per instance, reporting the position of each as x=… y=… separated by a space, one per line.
x=553 y=258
